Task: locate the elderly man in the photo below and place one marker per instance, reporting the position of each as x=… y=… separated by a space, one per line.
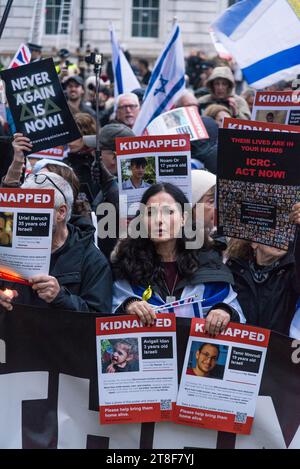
x=128 y=108
x=80 y=277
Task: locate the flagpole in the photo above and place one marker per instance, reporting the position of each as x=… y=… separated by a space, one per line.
x=5 y=16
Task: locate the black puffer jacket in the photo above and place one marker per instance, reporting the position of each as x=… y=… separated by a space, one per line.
x=82 y=272
x=268 y=298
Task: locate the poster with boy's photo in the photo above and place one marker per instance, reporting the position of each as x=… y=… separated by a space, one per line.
x=137 y=369
x=282 y=107
x=38 y=105
x=143 y=161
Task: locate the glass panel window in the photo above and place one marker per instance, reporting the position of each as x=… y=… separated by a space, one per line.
x=53 y=8
x=145 y=18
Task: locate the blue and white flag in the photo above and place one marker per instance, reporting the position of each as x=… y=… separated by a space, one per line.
x=22 y=57
x=264 y=38
x=125 y=79
x=166 y=82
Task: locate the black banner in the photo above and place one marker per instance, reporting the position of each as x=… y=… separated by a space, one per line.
x=38 y=105
x=49 y=390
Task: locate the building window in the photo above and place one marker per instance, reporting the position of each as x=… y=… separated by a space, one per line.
x=145 y=18
x=53 y=8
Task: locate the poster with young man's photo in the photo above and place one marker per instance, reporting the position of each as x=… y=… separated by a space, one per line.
x=38 y=105
x=221 y=377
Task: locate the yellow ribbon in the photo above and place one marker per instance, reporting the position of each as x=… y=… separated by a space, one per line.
x=147 y=294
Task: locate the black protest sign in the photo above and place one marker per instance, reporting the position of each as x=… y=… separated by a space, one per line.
x=38 y=105
x=258 y=183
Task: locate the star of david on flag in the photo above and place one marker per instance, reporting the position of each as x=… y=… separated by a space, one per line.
x=166 y=82
x=22 y=57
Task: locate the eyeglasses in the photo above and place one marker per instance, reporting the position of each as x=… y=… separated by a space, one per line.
x=208 y=356
x=40 y=178
x=128 y=106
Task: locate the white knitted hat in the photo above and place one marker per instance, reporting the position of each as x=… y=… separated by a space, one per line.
x=202 y=181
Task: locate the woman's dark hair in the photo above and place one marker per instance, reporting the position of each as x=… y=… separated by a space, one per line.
x=137 y=261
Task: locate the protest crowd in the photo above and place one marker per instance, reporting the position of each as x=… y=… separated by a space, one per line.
x=229 y=280
x=244 y=273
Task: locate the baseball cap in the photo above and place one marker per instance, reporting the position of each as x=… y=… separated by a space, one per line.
x=76 y=78
x=107 y=136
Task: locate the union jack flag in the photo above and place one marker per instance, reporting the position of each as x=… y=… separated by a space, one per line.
x=22 y=57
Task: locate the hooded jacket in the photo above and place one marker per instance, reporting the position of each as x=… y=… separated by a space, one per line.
x=82 y=271
x=243 y=111
x=212 y=284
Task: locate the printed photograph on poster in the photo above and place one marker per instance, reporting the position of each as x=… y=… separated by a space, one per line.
x=26 y=219
x=143 y=161
x=258 y=185
x=231 y=364
x=272 y=116
x=137 y=369
x=138 y=173
x=207 y=360
x=6 y=228
x=120 y=355
x=183 y=120
x=282 y=107
x=38 y=105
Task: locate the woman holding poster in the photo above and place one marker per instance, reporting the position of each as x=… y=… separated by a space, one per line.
x=156 y=268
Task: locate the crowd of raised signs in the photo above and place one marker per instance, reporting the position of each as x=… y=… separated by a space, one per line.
x=232 y=279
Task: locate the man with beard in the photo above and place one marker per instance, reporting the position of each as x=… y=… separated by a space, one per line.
x=74 y=89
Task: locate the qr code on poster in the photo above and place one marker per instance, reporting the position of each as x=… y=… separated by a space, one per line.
x=166 y=404
x=240 y=417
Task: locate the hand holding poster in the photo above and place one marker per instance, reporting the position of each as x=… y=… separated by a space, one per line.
x=38 y=105
x=26 y=217
x=183 y=120
x=258 y=185
x=221 y=377
x=137 y=369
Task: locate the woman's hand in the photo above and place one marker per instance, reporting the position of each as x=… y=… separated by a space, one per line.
x=295 y=214
x=216 y=321
x=143 y=310
x=21 y=144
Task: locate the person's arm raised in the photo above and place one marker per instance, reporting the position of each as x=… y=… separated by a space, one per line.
x=20 y=144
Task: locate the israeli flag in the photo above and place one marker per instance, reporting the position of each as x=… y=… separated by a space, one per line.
x=166 y=83
x=125 y=79
x=264 y=38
